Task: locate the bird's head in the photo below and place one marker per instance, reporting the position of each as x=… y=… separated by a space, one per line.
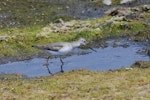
x=83 y=41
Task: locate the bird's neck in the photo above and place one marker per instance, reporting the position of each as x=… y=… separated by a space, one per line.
x=75 y=44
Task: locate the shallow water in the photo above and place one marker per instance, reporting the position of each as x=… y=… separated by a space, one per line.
x=102 y=60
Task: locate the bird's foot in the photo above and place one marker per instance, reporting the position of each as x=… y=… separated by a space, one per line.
x=62 y=71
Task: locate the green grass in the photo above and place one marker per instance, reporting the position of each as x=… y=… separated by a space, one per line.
x=124 y=28
x=81 y=84
x=20 y=40
x=114 y=2
x=31 y=12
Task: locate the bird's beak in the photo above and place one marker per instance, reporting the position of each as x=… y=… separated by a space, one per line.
x=92 y=49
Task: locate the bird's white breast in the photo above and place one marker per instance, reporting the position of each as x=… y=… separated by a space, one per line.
x=66 y=49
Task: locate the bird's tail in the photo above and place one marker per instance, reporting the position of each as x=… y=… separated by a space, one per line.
x=36 y=47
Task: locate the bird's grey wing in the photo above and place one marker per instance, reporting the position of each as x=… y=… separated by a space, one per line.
x=52 y=47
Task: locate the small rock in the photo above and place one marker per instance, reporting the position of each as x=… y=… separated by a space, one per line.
x=142 y=15
x=118 y=12
x=124 y=11
x=124 y=45
x=129 y=68
x=115 y=45
x=135 y=9
x=126 y=1
x=131 y=16
x=125 y=27
x=107 y=2
x=47 y=29
x=146 y=8
x=117 y=18
x=4 y=38
x=97 y=29
x=111 y=12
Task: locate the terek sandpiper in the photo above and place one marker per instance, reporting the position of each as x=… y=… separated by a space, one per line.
x=61 y=48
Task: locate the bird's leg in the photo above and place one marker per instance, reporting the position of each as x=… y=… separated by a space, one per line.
x=48 y=69
x=46 y=64
x=62 y=63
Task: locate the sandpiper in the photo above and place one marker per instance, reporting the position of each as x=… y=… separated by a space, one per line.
x=61 y=48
